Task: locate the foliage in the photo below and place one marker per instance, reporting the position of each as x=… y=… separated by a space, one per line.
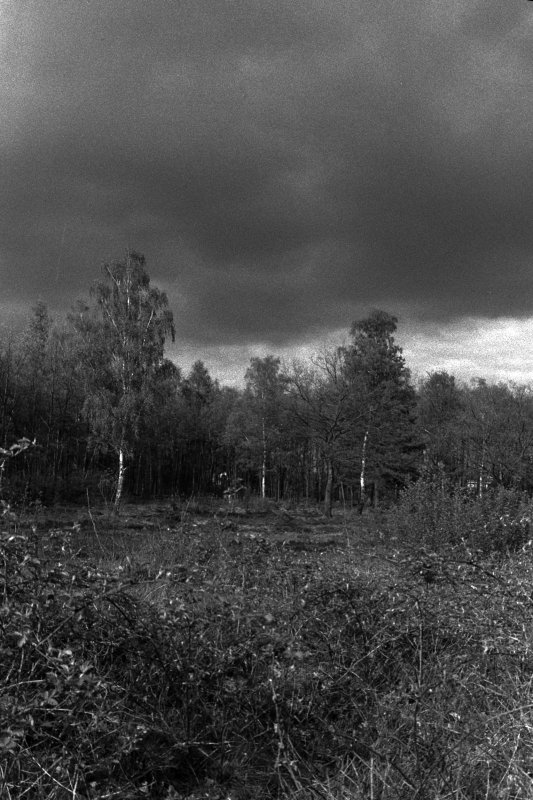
x=482 y=434
x=382 y=403
x=121 y=347
x=440 y=411
x=217 y=662
x=52 y=699
x=357 y=407
x=220 y=653
x=320 y=412
x=97 y=389
x=435 y=512
x=258 y=427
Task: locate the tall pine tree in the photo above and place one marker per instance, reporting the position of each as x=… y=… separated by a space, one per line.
x=382 y=404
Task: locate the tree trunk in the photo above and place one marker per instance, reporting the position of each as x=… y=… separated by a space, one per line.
x=362 y=479
x=481 y=470
x=120 y=477
x=263 y=465
x=329 y=488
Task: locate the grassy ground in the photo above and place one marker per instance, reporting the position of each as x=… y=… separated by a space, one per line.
x=198 y=651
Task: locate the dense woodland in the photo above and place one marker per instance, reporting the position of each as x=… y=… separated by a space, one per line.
x=111 y=416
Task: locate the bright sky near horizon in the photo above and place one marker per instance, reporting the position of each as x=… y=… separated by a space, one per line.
x=498 y=351
x=285 y=166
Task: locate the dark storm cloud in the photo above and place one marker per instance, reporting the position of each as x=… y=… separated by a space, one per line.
x=283 y=165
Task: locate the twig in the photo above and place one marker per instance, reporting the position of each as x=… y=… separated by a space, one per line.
x=103 y=550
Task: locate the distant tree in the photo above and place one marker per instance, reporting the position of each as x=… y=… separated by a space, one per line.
x=36 y=368
x=10 y=369
x=515 y=450
x=66 y=429
x=441 y=408
x=320 y=411
x=42 y=398
x=381 y=402
x=199 y=431
x=498 y=431
x=225 y=411
x=264 y=412
x=154 y=469
x=122 y=338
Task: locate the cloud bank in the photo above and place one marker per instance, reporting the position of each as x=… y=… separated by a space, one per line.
x=284 y=166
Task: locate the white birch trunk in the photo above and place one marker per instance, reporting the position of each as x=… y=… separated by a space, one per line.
x=120 y=477
x=263 y=466
x=362 y=477
x=481 y=470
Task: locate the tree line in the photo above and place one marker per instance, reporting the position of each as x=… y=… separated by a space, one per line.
x=111 y=416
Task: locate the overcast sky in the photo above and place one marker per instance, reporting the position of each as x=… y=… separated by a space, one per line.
x=285 y=167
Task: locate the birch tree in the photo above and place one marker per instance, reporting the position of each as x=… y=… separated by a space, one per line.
x=122 y=345
x=256 y=425
x=265 y=386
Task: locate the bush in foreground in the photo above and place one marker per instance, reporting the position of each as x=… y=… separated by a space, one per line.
x=242 y=670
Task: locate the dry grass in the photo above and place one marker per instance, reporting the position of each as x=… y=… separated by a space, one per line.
x=199 y=651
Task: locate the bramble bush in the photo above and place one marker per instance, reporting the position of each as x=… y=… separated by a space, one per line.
x=233 y=667
x=435 y=512
x=61 y=716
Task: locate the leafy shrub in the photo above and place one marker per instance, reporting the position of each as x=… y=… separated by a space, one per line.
x=434 y=512
x=241 y=668
x=53 y=697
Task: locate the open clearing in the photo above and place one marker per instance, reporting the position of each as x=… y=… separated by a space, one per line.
x=156 y=534
x=200 y=651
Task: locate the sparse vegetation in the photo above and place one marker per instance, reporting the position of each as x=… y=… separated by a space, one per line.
x=273 y=653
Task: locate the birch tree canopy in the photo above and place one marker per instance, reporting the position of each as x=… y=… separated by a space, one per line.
x=122 y=338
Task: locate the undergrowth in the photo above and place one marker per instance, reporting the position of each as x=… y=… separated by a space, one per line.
x=436 y=512
x=229 y=666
